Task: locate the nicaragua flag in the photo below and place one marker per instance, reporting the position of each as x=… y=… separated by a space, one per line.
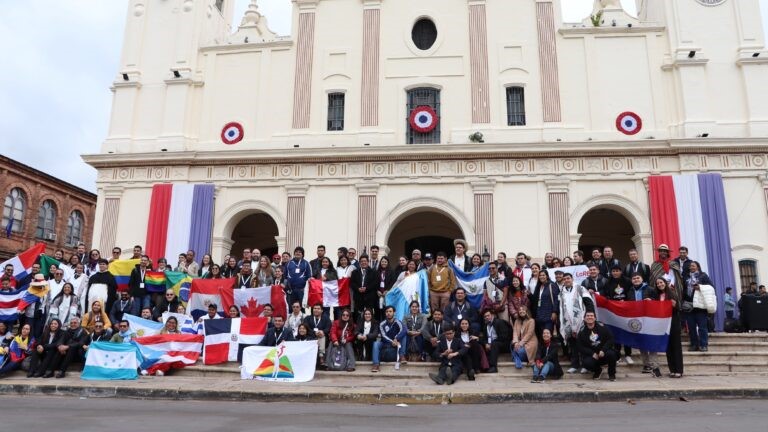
x=330 y=293
x=169 y=351
x=111 y=361
x=143 y=327
x=121 y=270
x=472 y=282
x=414 y=287
x=22 y=263
x=225 y=339
x=640 y=324
x=204 y=292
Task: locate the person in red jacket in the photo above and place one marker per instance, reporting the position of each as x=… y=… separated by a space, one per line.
x=342 y=338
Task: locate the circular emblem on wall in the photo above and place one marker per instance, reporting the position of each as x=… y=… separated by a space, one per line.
x=629 y=123
x=711 y=2
x=232 y=133
x=423 y=119
x=635 y=325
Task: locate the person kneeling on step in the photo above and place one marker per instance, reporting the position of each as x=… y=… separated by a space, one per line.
x=451 y=350
x=596 y=344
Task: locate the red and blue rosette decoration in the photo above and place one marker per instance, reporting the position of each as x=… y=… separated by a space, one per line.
x=423 y=119
x=629 y=123
x=232 y=133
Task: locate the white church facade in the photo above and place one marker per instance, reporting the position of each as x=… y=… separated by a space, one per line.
x=406 y=124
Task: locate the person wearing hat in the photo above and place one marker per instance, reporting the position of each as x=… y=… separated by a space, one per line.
x=35 y=312
x=667 y=268
x=460 y=258
x=276 y=261
x=429 y=261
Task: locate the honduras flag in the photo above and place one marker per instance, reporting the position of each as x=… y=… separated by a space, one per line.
x=472 y=282
x=414 y=287
x=640 y=324
x=111 y=361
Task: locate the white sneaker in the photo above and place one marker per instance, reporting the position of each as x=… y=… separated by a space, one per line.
x=572 y=370
x=159 y=373
x=629 y=360
x=144 y=372
x=584 y=371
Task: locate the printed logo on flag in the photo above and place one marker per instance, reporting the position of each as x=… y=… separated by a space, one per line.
x=275 y=365
x=635 y=325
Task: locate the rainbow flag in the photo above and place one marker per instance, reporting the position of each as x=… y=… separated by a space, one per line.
x=155 y=282
x=180 y=283
x=121 y=270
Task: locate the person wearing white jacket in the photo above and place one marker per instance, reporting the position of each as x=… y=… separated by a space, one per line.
x=701 y=294
x=575 y=301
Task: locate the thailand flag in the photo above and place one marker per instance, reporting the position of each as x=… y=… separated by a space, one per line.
x=330 y=293
x=640 y=324
x=225 y=339
x=204 y=292
x=251 y=301
x=472 y=282
x=169 y=351
x=22 y=263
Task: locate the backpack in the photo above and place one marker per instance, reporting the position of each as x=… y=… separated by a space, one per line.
x=337 y=357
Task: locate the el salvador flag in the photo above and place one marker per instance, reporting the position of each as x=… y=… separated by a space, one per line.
x=640 y=324
x=414 y=287
x=473 y=283
x=111 y=361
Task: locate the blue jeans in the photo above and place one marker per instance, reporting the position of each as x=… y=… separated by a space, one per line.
x=544 y=371
x=297 y=295
x=519 y=356
x=697 y=328
x=140 y=303
x=378 y=348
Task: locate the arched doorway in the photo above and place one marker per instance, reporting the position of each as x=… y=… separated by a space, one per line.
x=605 y=227
x=428 y=231
x=257 y=230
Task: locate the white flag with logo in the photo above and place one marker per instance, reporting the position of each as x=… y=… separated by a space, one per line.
x=287 y=362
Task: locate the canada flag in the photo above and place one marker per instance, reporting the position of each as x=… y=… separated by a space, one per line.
x=251 y=301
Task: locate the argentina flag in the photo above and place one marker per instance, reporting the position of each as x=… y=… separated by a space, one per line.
x=472 y=282
x=414 y=287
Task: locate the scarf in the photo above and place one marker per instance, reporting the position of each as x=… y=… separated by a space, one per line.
x=664 y=265
x=22 y=342
x=126 y=335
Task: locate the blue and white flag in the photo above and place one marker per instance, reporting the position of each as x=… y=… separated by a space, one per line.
x=472 y=282
x=414 y=287
x=143 y=327
x=111 y=361
x=186 y=324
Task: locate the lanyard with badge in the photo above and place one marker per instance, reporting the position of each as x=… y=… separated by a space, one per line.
x=438 y=278
x=141 y=284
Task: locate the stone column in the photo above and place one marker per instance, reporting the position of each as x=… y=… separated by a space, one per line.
x=559 y=231
x=220 y=247
x=109 y=219
x=550 y=79
x=484 y=220
x=478 y=59
x=369 y=115
x=366 y=215
x=305 y=47
x=295 y=223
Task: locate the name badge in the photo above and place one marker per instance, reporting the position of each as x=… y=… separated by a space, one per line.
x=438 y=278
x=381 y=285
x=297 y=271
x=141 y=285
x=459 y=316
x=315 y=329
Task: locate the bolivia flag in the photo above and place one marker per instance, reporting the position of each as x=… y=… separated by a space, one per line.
x=154 y=282
x=121 y=270
x=329 y=293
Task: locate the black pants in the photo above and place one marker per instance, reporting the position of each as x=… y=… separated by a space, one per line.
x=364 y=349
x=574 y=353
x=42 y=362
x=72 y=355
x=627 y=349
x=609 y=359
x=454 y=365
x=675 y=347
x=497 y=347
x=471 y=360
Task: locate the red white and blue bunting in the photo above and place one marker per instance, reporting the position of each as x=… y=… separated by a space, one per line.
x=423 y=119
x=232 y=133
x=629 y=123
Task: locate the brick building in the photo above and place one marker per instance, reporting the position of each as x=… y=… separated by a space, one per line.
x=41 y=207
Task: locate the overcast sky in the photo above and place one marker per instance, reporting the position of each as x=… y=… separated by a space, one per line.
x=59 y=60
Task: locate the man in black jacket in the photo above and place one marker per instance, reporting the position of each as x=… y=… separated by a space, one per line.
x=596 y=344
x=137 y=290
x=495 y=339
x=684 y=262
x=71 y=348
x=363 y=283
x=608 y=262
x=277 y=334
x=320 y=326
x=459 y=309
x=451 y=350
x=431 y=333
x=637 y=266
x=460 y=258
x=595 y=282
x=125 y=305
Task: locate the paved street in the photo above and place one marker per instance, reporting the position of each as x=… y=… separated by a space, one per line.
x=128 y=415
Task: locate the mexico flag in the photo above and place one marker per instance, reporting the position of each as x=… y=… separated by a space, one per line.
x=225 y=339
x=330 y=293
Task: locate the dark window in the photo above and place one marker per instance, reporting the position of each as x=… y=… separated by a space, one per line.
x=46 y=221
x=336 y=112
x=424 y=34
x=424 y=96
x=515 y=106
x=219 y=5
x=75 y=228
x=13 y=210
x=747 y=273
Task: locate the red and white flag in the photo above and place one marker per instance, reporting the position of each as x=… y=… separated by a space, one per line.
x=169 y=351
x=225 y=339
x=205 y=292
x=329 y=293
x=251 y=301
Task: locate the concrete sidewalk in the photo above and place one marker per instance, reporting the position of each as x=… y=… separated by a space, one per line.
x=331 y=388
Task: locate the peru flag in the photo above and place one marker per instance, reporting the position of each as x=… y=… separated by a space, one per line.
x=329 y=293
x=251 y=301
x=640 y=324
x=225 y=339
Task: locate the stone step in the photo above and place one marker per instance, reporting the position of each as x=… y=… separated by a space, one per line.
x=724 y=356
x=735 y=337
x=733 y=346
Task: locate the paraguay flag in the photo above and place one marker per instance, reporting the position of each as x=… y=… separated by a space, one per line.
x=168 y=351
x=414 y=287
x=330 y=293
x=204 y=292
x=154 y=281
x=121 y=270
x=690 y=211
x=640 y=324
x=22 y=263
x=225 y=339
x=473 y=283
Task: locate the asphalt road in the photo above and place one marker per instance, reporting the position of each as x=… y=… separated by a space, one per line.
x=118 y=415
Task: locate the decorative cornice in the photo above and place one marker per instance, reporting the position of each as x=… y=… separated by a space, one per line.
x=297 y=190
x=557 y=186
x=367 y=188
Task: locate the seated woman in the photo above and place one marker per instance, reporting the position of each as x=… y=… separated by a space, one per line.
x=96 y=314
x=414 y=324
x=473 y=360
x=547 y=362
x=66 y=304
x=342 y=338
x=159 y=369
x=171 y=326
x=303 y=334
x=234 y=311
x=44 y=354
x=21 y=346
x=524 y=342
x=366 y=334
x=6 y=336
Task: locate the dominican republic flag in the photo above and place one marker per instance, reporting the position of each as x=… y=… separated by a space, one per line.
x=330 y=293
x=14 y=302
x=168 y=351
x=472 y=282
x=154 y=281
x=143 y=327
x=180 y=219
x=414 y=287
x=225 y=339
x=45 y=266
x=22 y=263
x=121 y=270
x=639 y=324
x=251 y=301
x=185 y=322
x=690 y=211
x=111 y=361
x=204 y=292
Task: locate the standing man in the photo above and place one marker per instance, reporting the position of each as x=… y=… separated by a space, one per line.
x=245 y=278
x=596 y=344
x=82 y=254
x=578 y=257
x=428 y=262
x=667 y=268
x=574 y=304
x=374 y=261
x=608 y=262
x=246 y=257
x=137 y=252
x=595 y=283
x=298 y=272
x=442 y=281
x=136 y=288
x=495 y=338
x=521 y=263
x=255 y=257
x=416 y=257
x=364 y=290
x=460 y=258
x=351 y=254
x=684 y=263
x=315 y=263
x=636 y=266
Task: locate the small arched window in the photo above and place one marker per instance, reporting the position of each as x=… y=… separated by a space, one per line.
x=423 y=96
x=747 y=273
x=13 y=211
x=46 y=221
x=75 y=228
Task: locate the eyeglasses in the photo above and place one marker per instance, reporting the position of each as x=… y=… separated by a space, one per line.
x=123 y=326
x=169 y=295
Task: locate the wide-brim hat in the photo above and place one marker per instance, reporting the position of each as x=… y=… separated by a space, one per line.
x=663 y=247
x=460 y=242
x=39 y=281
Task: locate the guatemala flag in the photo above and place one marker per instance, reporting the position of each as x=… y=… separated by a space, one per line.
x=414 y=287
x=111 y=361
x=640 y=324
x=473 y=283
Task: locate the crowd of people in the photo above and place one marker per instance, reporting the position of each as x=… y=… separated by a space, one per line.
x=524 y=313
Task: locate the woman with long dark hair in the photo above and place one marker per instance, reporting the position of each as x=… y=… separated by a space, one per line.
x=21 y=346
x=662 y=290
x=546 y=301
x=205 y=267
x=45 y=353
